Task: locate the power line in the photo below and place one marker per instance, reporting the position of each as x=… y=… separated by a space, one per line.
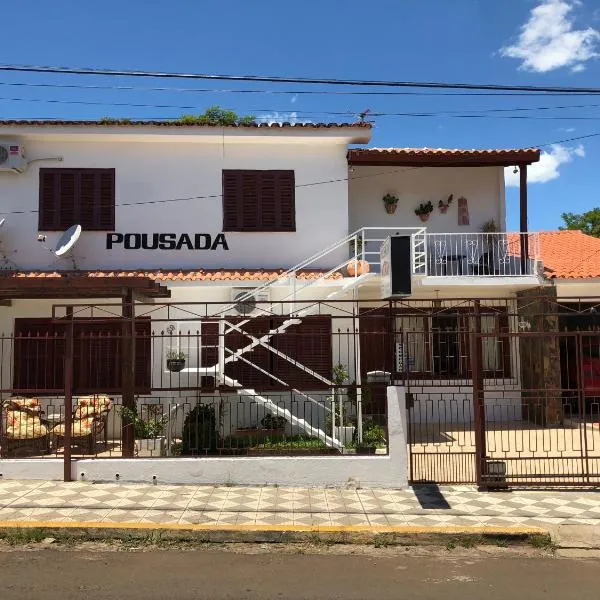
x=298 y=80
x=372 y=113
x=282 y=92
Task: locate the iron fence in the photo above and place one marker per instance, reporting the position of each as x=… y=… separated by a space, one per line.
x=501 y=391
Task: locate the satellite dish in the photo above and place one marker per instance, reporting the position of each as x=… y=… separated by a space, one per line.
x=67 y=240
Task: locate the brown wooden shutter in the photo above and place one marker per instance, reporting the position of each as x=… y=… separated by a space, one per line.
x=106 y=200
x=259 y=200
x=376 y=341
x=38 y=357
x=231 y=192
x=287 y=202
x=97 y=356
x=71 y=196
x=309 y=343
x=48 y=204
x=245 y=373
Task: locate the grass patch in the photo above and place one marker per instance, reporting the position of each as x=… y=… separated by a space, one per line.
x=274 y=442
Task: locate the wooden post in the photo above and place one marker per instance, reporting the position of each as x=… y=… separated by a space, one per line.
x=68 y=381
x=524 y=238
x=478 y=397
x=128 y=372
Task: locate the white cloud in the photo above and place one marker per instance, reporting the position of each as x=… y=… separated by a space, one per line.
x=547 y=167
x=280 y=117
x=549 y=41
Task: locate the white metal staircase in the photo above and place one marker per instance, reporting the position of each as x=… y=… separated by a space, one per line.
x=365 y=243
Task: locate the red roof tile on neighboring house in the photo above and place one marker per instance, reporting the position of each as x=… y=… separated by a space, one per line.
x=570 y=255
x=263 y=275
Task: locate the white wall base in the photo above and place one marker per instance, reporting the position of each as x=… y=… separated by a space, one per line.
x=49 y=469
x=389 y=471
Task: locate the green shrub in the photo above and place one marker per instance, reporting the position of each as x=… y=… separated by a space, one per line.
x=200 y=435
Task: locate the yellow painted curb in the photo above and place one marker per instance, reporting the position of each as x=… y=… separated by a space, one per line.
x=398 y=529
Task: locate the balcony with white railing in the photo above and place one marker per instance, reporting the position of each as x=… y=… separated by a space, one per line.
x=475 y=255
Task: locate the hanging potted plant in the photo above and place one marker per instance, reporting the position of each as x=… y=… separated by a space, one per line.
x=175 y=360
x=443 y=205
x=390 y=202
x=424 y=210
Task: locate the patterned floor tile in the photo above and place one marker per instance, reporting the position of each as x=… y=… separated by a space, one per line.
x=117 y=515
x=375 y=519
x=269 y=518
x=168 y=503
x=228 y=518
x=397 y=519
x=246 y=518
x=84 y=515
x=198 y=517
x=161 y=516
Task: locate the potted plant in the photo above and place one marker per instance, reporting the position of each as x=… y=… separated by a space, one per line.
x=373 y=437
x=424 y=210
x=272 y=424
x=148 y=429
x=175 y=360
x=357 y=266
x=489 y=227
x=200 y=434
x=339 y=422
x=390 y=202
x=443 y=205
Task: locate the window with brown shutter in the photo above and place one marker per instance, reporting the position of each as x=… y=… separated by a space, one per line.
x=40 y=348
x=77 y=196
x=307 y=344
x=259 y=200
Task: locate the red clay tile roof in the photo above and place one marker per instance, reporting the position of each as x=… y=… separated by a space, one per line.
x=570 y=255
x=154 y=123
x=442 y=156
x=264 y=275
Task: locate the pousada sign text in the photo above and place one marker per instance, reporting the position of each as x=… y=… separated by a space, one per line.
x=166 y=241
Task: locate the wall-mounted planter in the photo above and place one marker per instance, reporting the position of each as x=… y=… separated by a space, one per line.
x=424 y=217
x=390 y=202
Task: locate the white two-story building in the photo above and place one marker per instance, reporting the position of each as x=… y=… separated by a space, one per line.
x=262 y=243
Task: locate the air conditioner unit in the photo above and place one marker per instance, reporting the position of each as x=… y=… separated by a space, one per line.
x=12 y=155
x=247 y=302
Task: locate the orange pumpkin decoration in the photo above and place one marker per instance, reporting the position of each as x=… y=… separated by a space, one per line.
x=358 y=267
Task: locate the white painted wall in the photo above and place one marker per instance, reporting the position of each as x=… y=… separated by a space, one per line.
x=483 y=187
x=151 y=170
x=453 y=404
x=389 y=471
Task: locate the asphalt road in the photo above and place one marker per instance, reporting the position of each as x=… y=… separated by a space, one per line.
x=181 y=575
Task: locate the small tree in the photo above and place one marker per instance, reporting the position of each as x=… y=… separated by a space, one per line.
x=215 y=115
x=588 y=222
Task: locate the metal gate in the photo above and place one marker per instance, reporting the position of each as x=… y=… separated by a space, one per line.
x=545 y=430
x=536 y=423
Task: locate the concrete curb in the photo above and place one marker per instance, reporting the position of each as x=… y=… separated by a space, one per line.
x=25 y=531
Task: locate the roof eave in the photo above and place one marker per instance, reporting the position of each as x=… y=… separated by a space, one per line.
x=379 y=159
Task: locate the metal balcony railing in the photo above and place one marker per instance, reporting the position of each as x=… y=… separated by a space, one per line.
x=481 y=254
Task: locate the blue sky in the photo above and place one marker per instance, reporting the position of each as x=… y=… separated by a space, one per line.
x=530 y=42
